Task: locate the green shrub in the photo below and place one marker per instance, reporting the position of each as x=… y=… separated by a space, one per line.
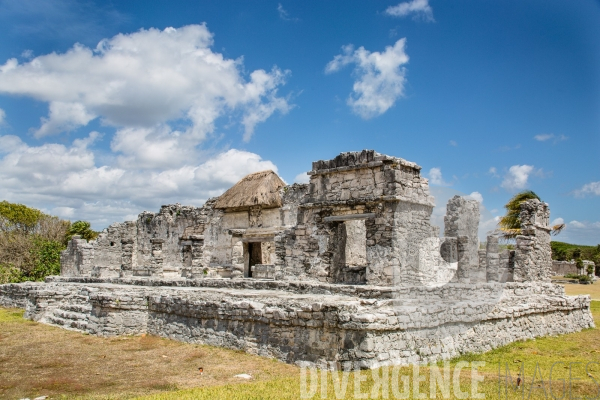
x=30 y=243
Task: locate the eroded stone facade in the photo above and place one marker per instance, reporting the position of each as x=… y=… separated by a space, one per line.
x=347 y=268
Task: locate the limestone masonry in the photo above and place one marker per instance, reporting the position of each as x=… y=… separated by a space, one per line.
x=345 y=270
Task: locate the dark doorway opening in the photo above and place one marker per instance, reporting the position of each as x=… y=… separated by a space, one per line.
x=255 y=256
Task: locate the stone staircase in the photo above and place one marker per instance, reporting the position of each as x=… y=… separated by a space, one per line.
x=73 y=313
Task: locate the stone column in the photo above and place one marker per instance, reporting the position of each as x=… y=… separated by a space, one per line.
x=156 y=262
x=462 y=222
x=492 y=259
x=533 y=256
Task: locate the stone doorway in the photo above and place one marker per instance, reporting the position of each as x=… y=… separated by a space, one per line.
x=349 y=252
x=254 y=256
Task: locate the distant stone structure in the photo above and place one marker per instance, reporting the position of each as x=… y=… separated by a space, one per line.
x=561 y=268
x=345 y=270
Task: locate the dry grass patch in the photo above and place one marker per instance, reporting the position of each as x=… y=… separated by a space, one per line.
x=593 y=290
x=37 y=359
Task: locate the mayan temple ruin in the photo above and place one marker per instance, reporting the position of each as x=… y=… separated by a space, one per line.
x=345 y=272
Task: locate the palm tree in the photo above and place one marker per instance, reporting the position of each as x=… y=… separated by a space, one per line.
x=510 y=224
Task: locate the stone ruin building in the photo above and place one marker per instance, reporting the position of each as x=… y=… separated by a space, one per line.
x=344 y=272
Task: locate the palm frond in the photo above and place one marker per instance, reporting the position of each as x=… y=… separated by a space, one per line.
x=510 y=224
x=556 y=229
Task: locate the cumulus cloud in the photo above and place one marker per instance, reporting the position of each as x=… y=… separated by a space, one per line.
x=159 y=94
x=557 y=221
x=66 y=180
x=580 y=232
x=2 y=116
x=592 y=188
x=476 y=196
x=302 y=178
x=420 y=9
x=64 y=117
x=435 y=177
x=380 y=77
x=146 y=79
x=516 y=177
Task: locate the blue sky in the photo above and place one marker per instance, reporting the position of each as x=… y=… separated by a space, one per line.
x=108 y=109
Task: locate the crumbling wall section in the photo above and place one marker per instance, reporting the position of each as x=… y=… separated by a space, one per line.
x=77 y=258
x=162 y=236
x=386 y=192
x=533 y=255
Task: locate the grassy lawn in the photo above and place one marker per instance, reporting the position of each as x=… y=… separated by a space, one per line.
x=37 y=359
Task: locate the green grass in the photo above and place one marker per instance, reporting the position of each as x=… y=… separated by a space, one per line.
x=568 y=353
x=529 y=357
x=12 y=315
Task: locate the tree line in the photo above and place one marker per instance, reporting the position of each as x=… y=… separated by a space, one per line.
x=31 y=242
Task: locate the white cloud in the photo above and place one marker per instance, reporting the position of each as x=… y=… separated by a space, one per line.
x=557 y=221
x=577 y=224
x=435 y=177
x=453 y=143
x=494 y=172
x=302 y=178
x=146 y=79
x=284 y=14
x=517 y=177
x=64 y=117
x=476 y=196
x=66 y=181
x=2 y=116
x=163 y=92
x=28 y=54
x=380 y=77
x=419 y=8
x=579 y=232
x=547 y=136
x=592 y=188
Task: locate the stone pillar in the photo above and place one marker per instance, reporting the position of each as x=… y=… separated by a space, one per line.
x=128 y=249
x=533 y=255
x=492 y=259
x=462 y=222
x=237 y=257
x=156 y=262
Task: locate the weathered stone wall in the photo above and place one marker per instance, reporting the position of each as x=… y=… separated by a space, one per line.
x=387 y=193
x=160 y=236
x=314 y=235
x=419 y=325
x=77 y=259
x=564 y=267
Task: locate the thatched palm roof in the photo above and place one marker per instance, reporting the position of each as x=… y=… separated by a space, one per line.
x=259 y=188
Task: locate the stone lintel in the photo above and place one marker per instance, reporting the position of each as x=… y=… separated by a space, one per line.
x=349 y=217
x=367 y=201
x=194 y=238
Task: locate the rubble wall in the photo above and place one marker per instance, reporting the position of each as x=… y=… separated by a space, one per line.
x=421 y=325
